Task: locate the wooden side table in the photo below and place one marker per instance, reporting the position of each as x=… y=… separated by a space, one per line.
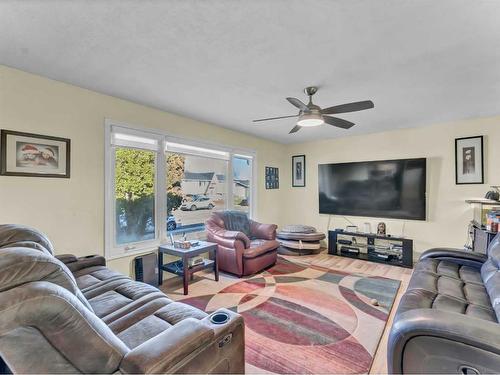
x=180 y=267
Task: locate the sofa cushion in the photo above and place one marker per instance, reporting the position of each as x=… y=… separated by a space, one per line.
x=117 y=294
x=447 y=286
x=152 y=319
x=92 y=277
x=259 y=247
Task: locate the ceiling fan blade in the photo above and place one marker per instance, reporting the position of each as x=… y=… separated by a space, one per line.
x=297 y=103
x=348 y=107
x=338 y=122
x=274 y=118
x=295 y=129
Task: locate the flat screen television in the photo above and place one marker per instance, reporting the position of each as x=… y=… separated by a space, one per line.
x=386 y=189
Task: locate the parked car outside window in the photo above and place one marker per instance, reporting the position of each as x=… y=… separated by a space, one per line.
x=198 y=203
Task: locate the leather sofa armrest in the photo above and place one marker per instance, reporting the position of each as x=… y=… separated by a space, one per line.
x=478 y=333
x=66 y=258
x=86 y=261
x=263 y=231
x=231 y=235
x=468 y=258
x=160 y=353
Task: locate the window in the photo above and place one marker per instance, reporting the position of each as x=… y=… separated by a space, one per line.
x=242 y=178
x=158 y=185
x=134 y=195
x=196 y=186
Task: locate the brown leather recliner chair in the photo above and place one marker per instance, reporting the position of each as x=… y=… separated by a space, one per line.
x=63 y=314
x=238 y=252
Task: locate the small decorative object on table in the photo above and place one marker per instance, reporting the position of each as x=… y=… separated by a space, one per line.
x=299 y=239
x=469 y=166
x=381 y=229
x=493 y=194
x=299 y=171
x=34 y=155
x=182 y=244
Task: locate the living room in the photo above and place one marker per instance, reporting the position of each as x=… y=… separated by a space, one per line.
x=129 y=132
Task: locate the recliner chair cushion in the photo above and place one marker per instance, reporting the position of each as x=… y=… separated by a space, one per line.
x=19 y=266
x=14 y=235
x=152 y=319
x=61 y=319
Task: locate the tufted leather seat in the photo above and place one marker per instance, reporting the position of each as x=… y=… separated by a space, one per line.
x=73 y=315
x=448 y=317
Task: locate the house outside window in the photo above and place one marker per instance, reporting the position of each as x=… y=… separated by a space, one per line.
x=157 y=185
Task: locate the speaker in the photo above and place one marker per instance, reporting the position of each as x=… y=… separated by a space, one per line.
x=146 y=269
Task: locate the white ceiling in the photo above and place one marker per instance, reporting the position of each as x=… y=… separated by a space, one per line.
x=228 y=62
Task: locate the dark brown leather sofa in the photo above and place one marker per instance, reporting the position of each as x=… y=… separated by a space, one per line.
x=63 y=314
x=242 y=253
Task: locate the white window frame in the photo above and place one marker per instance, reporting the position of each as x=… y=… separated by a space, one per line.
x=113 y=250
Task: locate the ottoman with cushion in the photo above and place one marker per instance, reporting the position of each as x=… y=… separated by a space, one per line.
x=299 y=239
x=63 y=314
x=448 y=318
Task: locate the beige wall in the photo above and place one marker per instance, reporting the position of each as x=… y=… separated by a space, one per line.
x=71 y=211
x=448 y=214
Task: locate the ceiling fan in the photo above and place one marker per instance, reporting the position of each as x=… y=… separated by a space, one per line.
x=312 y=115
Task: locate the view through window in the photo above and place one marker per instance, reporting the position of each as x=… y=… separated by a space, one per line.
x=157 y=187
x=134 y=195
x=196 y=186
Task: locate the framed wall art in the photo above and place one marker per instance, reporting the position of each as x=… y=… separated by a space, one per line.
x=272 y=178
x=469 y=160
x=34 y=155
x=299 y=171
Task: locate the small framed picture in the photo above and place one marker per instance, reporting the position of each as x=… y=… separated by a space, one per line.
x=272 y=178
x=469 y=163
x=34 y=155
x=299 y=171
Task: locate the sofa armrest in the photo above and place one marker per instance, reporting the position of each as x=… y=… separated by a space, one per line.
x=263 y=231
x=66 y=258
x=468 y=258
x=231 y=235
x=452 y=327
x=160 y=353
x=86 y=261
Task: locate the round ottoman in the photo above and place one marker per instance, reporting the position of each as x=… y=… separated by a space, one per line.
x=299 y=240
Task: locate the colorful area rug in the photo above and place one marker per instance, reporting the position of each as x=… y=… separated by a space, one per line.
x=303 y=318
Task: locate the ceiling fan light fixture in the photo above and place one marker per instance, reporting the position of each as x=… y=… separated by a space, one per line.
x=310 y=119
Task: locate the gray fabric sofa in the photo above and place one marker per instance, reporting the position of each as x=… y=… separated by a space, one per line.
x=448 y=319
x=62 y=314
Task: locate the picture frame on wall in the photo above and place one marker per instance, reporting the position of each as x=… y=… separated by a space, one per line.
x=299 y=171
x=272 y=178
x=469 y=160
x=34 y=155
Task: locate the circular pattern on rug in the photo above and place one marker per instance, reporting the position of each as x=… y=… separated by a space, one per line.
x=297 y=315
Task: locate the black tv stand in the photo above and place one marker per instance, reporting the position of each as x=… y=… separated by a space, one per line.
x=372 y=247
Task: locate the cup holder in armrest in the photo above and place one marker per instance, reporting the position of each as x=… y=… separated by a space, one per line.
x=219 y=318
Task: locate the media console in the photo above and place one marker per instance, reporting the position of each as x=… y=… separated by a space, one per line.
x=369 y=246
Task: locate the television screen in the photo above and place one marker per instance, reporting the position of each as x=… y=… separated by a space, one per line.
x=386 y=189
